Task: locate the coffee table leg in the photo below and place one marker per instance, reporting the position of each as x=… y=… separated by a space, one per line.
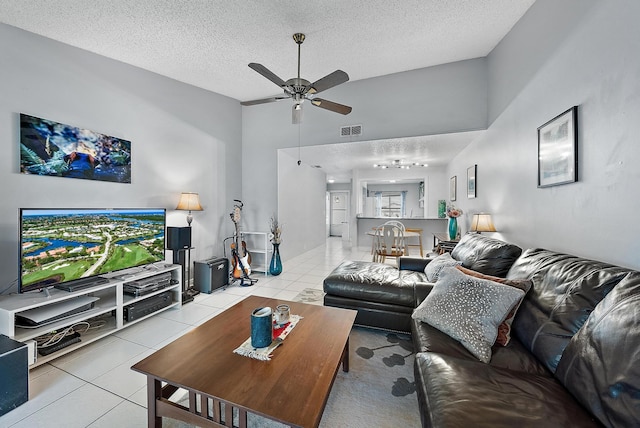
x=154 y=390
x=345 y=357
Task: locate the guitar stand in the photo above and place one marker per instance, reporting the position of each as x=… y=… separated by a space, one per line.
x=251 y=281
x=244 y=273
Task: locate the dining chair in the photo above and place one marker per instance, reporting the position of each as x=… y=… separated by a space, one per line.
x=404 y=232
x=389 y=242
x=377 y=228
x=396 y=223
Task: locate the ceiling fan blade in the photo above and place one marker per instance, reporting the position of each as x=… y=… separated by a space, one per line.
x=262 y=101
x=330 y=105
x=296 y=114
x=328 y=81
x=267 y=73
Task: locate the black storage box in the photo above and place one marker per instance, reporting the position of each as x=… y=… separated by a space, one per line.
x=211 y=274
x=14 y=372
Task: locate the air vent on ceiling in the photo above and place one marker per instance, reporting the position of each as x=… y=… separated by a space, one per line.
x=351 y=131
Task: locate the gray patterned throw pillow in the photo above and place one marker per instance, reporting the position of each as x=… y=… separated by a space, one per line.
x=468 y=309
x=433 y=268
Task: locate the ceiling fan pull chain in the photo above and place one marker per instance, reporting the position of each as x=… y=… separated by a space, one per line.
x=299 y=160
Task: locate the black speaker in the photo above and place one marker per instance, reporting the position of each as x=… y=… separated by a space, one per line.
x=14 y=372
x=178 y=238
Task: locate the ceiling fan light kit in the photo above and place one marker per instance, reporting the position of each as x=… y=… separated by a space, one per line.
x=299 y=89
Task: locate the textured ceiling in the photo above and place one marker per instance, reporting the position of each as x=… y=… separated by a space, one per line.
x=208 y=43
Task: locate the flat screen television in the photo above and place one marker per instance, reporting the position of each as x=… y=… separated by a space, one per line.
x=63 y=245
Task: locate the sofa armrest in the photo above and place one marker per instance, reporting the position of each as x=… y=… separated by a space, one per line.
x=421 y=290
x=416 y=264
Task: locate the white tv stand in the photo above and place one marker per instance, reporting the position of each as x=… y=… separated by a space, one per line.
x=110 y=308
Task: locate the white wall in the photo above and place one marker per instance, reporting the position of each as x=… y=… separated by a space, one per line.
x=436 y=188
x=301 y=204
x=339 y=186
x=435 y=100
x=588 y=57
x=183 y=139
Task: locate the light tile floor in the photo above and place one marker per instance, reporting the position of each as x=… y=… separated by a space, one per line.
x=95 y=386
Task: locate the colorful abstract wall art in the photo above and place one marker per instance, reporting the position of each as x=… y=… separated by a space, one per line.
x=59 y=150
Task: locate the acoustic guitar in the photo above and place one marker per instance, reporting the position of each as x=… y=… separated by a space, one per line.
x=240 y=257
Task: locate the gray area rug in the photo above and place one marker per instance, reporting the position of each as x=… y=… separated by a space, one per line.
x=378 y=390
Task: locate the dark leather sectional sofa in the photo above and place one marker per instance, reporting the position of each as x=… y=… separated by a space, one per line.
x=574 y=356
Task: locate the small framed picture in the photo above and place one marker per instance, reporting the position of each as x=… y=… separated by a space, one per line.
x=452 y=188
x=558 y=150
x=471 y=181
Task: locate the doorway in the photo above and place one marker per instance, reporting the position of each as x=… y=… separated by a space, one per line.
x=338 y=213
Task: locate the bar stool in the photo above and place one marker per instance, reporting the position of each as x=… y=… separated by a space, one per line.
x=419 y=244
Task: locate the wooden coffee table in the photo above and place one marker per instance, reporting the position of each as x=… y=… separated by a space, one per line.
x=292 y=388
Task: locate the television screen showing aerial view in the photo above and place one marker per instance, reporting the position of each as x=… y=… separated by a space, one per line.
x=63 y=245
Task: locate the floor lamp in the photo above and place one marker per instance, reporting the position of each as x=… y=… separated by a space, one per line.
x=189 y=201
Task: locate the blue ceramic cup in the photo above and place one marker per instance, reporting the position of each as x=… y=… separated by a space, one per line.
x=261 y=327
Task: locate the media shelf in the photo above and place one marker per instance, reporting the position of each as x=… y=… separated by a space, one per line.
x=109 y=308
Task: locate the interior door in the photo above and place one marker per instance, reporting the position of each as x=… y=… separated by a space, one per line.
x=339 y=202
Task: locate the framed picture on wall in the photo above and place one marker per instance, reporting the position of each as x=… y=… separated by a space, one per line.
x=58 y=150
x=452 y=188
x=558 y=150
x=471 y=181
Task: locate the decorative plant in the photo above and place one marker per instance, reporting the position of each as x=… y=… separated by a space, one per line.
x=275 y=229
x=453 y=212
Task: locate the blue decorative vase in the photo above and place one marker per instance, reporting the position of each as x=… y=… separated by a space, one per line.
x=275 y=267
x=453 y=228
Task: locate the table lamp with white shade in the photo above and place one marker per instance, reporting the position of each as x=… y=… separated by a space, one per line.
x=482 y=223
x=189 y=201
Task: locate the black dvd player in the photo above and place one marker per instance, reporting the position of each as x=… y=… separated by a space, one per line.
x=147 y=285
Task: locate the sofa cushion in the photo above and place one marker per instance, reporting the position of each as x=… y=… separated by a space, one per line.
x=453 y=392
x=514 y=356
x=373 y=314
x=373 y=282
x=565 y=291
x=600 y=364
x=487 y=255
x=468 y=309
x=435 y=266
x=504 y=330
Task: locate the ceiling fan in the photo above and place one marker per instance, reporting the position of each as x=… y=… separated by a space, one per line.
x=300 y=89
